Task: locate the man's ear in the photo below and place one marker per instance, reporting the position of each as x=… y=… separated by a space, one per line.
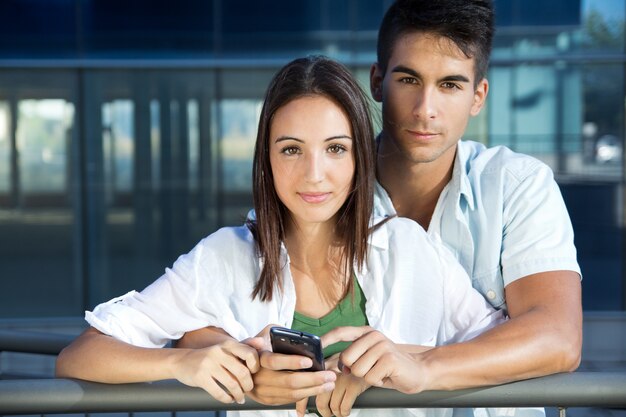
x=480 y=96
x=376 y=82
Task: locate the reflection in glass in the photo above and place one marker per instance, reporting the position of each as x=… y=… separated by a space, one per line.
x=603 y=25
x=239 y=121
x=193 y=124
x=42 y=140
x=37 y=238
x=5 y=150
x=117 y=133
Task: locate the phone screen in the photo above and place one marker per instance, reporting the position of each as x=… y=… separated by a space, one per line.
x=293 y=342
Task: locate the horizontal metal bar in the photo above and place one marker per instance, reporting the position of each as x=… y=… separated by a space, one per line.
x=203 y=63
x=33 y=342
x=54 y=396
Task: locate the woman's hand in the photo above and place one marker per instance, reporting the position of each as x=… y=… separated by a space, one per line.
x=279 y=382
x=223 y=370
x=339 y=402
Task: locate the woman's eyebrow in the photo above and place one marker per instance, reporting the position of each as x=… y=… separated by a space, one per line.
x=283 y=138
x=338 y=137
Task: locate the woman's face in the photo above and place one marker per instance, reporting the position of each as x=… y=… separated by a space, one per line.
x=312 y=158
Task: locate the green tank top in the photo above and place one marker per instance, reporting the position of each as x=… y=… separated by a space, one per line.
x=347 y=313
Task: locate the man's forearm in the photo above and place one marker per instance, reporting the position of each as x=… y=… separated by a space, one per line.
x=543 y=336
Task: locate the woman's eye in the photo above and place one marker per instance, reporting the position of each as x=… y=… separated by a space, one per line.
x=336 y=149
x=290 y=150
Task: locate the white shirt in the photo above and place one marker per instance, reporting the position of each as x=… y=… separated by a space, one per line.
x=503 y=217
x=416 y=293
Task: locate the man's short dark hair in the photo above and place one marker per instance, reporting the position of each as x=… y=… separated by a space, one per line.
x=467 y=23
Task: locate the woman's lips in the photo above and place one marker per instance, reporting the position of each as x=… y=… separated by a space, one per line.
x=314 y=197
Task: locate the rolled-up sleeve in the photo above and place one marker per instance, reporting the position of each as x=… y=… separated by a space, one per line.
x=537 y=231
x=194 y=293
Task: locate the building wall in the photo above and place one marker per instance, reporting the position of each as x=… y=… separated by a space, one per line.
x=127 y=129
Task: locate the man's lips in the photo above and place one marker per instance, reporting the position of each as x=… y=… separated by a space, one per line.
x=314 y=197
x=424 y=135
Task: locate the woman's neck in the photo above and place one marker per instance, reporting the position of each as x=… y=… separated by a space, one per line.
x=310 y=244
x=315 y=268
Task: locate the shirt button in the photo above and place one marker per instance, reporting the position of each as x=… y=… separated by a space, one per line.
x=491 y=294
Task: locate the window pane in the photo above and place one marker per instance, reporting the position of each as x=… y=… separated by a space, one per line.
x=42 y=141
x=5 y=151
x=239 y=121
x=38 y=239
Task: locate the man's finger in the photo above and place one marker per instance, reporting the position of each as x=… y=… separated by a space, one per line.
x=363 y=346
x=344 y=334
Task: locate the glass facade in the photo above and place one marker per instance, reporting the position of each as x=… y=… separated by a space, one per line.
x=127 y=129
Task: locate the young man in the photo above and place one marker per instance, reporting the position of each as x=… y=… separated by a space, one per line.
x=501 y=213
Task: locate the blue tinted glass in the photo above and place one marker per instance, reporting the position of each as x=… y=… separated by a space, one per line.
x=118 y=26
x=271 y=27
x=537 y=12
x=38 y=27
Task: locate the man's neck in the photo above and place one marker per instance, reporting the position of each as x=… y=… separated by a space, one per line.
x=414 y=188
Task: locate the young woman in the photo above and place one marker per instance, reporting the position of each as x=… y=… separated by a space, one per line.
x=313 y=259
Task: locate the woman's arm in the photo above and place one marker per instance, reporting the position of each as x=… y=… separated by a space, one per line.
x=94 y=356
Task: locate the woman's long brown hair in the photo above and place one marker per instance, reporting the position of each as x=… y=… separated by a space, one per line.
x=313 y=76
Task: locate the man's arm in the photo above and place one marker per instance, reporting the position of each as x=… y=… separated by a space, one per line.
x=542 y=337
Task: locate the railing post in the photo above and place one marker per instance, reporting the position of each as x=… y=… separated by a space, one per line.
x=562 y=411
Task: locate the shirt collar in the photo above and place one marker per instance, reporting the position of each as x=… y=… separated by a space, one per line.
x=379 y=238
x=460 y=181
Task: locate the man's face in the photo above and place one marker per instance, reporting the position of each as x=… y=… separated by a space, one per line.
x=428 y=96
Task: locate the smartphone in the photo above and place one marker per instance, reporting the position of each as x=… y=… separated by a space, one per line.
x=293 y=342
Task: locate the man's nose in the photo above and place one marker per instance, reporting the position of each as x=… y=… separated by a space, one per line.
x=425 y=104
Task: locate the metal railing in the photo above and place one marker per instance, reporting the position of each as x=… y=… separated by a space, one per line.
x=33 y=342
x=54 y=396
x=63 y=396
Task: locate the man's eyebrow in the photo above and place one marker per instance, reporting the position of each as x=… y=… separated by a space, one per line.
x=405 y=70
x=413 y=73
x=457 y=78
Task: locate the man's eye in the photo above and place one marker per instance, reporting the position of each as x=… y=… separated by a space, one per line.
x=408 y=80
x=450 y=86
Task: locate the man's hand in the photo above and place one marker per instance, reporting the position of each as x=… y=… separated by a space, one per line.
x=378 y=360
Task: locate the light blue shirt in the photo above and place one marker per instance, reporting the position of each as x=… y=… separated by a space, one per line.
x=503 y=217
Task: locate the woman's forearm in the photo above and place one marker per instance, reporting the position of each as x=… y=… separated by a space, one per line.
x=97 y=357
